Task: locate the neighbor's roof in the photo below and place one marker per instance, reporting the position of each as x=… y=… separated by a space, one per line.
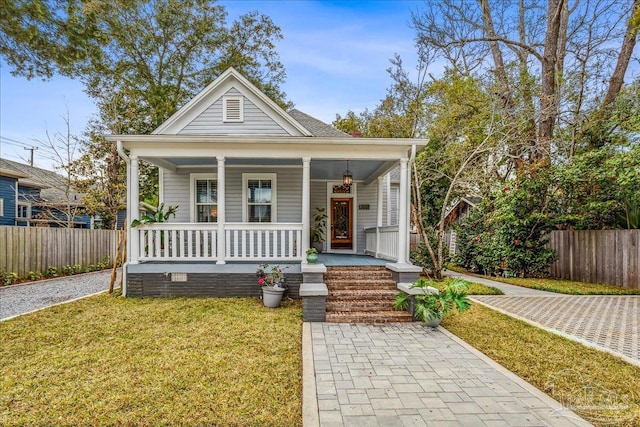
x=317 y=127
x=52 y=184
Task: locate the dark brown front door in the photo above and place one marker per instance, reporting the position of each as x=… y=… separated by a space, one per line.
x=342 y=223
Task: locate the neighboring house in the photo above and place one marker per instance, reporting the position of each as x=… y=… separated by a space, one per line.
x=9 y=195
x=454 y=215
x=247 y=177
x=37 y=197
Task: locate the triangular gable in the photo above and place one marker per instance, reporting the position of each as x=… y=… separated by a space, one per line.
x=202 y=115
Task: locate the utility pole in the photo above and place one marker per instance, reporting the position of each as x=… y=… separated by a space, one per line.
x=32 y=149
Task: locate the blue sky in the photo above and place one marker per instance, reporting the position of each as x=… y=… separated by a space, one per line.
x=335 y=53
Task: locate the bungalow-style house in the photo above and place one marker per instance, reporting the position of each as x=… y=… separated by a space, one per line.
x=247 y=178
x=31 y=196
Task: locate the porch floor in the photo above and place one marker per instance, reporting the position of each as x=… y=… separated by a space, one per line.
x=329 y=260
x=349 y=260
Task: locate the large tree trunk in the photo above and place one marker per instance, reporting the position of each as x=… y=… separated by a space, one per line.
x=628 y=44
x=501 y=74
x=549 y=96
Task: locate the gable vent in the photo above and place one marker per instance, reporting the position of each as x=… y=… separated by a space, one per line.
x=232 y=109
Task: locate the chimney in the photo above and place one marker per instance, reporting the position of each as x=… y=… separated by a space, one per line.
x=356 y=134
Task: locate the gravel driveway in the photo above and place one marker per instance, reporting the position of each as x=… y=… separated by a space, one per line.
x=21 y=299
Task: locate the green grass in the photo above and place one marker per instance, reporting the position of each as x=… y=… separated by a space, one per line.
x=566 y=370
x=474 y=288
x=567 y=286
x=557 y=285
x=116 y=361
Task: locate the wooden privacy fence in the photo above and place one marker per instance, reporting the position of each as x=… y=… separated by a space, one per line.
x=598 y=256
x=24 y=249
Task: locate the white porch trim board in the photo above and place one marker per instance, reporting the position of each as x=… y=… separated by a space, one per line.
x=222 y=245
x=132 y=208
x=306 y=204
x=403 y=223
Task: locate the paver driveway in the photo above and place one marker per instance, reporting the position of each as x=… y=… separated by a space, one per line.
x=610 y=322
x=607 y=322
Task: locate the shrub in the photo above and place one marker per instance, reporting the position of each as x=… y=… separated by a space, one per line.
x=52 y=271
x=508 y=231
x=8 y=278
x=34 y=275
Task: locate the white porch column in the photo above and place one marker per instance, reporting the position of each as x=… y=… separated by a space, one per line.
x=222 y=237
x=403 y=205
x=388 y=185
x=379 y=219
x=306 y=205
x=134 y=209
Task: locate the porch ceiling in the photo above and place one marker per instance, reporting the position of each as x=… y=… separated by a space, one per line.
x=320 y=169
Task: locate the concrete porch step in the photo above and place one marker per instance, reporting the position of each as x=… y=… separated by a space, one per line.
x=368 y=317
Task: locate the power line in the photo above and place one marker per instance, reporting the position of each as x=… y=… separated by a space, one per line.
x=13 y=141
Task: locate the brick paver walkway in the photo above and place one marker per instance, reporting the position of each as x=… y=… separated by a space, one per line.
x=608 y=321
x=411 y=375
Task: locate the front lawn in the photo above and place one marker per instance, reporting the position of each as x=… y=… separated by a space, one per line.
x=474 y=288
x=567 y=286
x=116 y=361
x=600 y=387
x=557 y=285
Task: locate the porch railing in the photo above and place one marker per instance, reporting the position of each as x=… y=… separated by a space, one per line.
x=199 y=242
x=383 y=241
x=258 y=242
x=178 y=241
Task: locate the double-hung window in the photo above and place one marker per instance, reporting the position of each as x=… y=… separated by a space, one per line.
x=259 y=191
x=24 y=210
x=205 y=197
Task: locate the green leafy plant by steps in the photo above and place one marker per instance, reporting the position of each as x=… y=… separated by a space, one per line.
x=431 y=305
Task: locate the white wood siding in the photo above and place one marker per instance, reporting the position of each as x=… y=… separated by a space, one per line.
x=256 y=122
x=395 y=192
x=176 y=193
x=289 y=186
x=318 y=200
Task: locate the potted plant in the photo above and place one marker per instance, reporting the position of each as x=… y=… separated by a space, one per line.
x=318 y=229
x=312 y=255
x=272 y=283
x=429 y=304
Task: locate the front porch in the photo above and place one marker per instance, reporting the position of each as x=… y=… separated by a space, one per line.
x=243 y=242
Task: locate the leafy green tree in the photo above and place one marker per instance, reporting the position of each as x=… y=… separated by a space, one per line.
x=601 y=189
x=140 y=60
x=509 y=231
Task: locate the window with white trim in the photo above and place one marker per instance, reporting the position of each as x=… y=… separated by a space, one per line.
x=204 y=189
x=259 y=195
x=1 y=207
x=232 y=109
x=24 y=210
